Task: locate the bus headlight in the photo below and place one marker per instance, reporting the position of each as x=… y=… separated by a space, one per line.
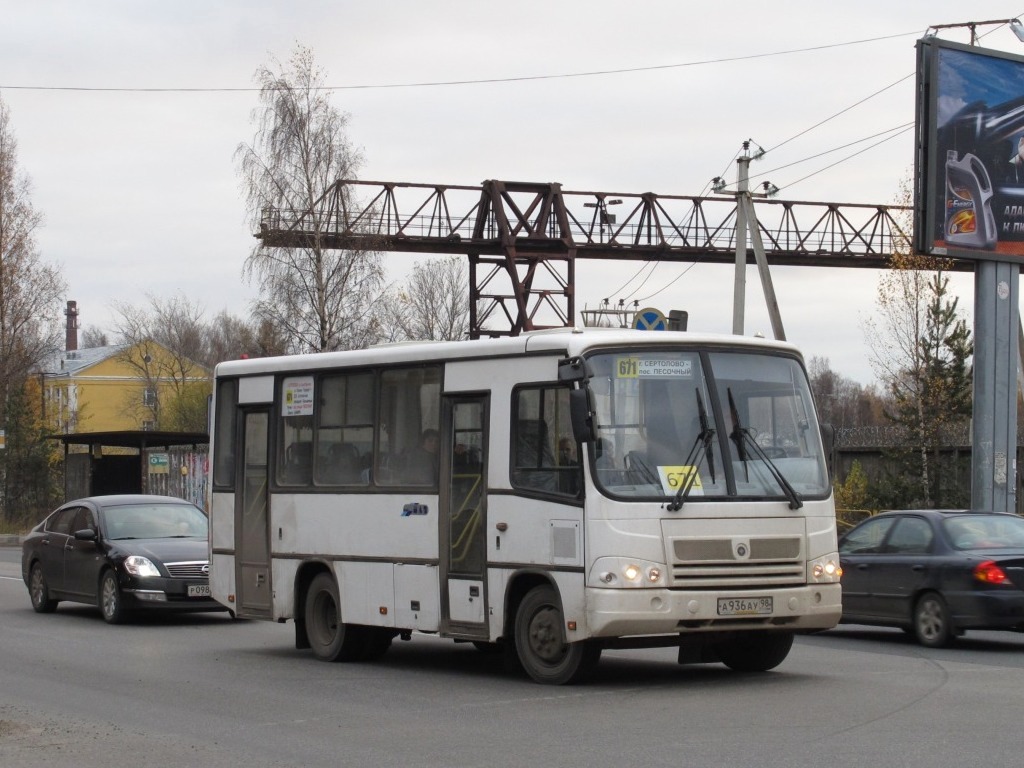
x=825 y=570
x=623 y=572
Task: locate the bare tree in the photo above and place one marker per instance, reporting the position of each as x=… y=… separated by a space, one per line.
x=840 y=401
x=94 y=337
x=318 y=298
x=164 y=344
x=30 y=291
x=30 y=302
x=434 y=304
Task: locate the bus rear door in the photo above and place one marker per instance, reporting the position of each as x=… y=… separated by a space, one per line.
x=252 y=539
x=463 y=516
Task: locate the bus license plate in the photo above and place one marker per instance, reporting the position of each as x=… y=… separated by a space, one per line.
x=745 y=606
x=198 y=590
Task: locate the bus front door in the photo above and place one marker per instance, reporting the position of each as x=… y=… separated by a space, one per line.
x=463 y=498
x=252 y=539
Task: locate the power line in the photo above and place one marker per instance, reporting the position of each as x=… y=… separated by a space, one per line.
x=668 y=284
x=841 y=112
x=849 y=157
x=482 y=81
x=897 y=128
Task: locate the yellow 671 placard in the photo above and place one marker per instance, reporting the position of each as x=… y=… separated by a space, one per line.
x=674 y=478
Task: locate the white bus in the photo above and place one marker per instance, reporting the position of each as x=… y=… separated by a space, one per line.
x=549 y=495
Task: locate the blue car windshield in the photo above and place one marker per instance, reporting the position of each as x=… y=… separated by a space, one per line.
x=985 y=531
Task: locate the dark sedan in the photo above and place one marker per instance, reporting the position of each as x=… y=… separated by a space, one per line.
x=935 y=573
x=120 y=553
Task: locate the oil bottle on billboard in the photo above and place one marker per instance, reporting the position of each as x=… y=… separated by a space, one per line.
x=969 y=219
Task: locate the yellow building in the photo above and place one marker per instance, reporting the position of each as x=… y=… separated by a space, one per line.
x=119 y=387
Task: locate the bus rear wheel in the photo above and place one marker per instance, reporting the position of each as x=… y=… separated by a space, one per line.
x=755 y=651
x=329 y=638
x=540 y=641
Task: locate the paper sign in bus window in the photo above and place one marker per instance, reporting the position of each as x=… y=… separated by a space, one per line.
x=653 y=368
x=674 y=478
x=297 y=396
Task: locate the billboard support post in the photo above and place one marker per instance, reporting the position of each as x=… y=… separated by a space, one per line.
x=994 y=428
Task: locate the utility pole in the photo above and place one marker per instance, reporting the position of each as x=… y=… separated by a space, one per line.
x=746 y=222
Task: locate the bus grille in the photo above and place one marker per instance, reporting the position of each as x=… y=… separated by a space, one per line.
x=737 y=562
x=198 y=569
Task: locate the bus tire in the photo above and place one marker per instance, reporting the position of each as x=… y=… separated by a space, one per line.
x=329 y=638
x=755 y=651
x=540 y=641
x=376 y=642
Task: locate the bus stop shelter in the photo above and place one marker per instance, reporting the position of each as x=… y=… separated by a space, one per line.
x=117 y=462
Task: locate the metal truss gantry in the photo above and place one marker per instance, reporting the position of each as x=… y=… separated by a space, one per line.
x=523 y=239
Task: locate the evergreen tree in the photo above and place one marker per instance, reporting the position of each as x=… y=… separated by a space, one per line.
x=32 y=485
x=927 y=374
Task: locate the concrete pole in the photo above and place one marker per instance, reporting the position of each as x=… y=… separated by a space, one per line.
x=994 y=429
x=739 y=290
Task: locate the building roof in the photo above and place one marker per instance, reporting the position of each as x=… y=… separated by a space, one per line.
x=130 y=438
x=70 y=363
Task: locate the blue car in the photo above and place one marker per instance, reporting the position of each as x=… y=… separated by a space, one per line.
x=935 y=573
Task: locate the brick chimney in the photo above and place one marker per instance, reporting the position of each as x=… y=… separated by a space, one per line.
x=71 y=334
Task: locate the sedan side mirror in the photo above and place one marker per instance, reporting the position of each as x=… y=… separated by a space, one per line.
x=86 y=534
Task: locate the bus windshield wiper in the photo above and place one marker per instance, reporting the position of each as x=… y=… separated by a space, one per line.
x=704 y=438
x=743 y=439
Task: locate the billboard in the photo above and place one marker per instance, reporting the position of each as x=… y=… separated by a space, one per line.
x=969 y=176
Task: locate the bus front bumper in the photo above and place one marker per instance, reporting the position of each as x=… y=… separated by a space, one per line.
x=624 y=612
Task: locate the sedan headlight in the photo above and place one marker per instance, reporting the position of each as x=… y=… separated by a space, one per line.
x=618 y=572
x=824 y=570
x=137 y=565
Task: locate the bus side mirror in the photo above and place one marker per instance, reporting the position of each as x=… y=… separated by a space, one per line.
x=573 y=369
x=579 y=415
x=828 y=443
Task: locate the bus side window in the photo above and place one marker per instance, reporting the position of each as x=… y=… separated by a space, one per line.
x=542 y=422
x=227 y=408
x=298 y=464
x=344 y=431
x=534 y=460
x=407 y=426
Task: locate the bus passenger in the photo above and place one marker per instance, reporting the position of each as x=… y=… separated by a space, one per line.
x=420 y=464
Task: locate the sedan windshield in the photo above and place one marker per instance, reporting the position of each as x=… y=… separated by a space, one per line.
x=680 y=424
x=153 y=521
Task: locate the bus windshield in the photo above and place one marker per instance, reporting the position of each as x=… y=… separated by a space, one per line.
x=714 y=424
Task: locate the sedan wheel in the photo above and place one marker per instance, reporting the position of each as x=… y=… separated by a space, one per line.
x=932 y=626
x=39 y=592
x=111 y=605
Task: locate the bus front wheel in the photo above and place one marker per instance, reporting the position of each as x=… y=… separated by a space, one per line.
x=540 y=641
x=755 y=651
x=329 y=638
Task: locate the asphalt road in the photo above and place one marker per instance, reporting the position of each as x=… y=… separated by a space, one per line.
x=204 y=690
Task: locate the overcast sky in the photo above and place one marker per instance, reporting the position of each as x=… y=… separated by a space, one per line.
x=140 y=191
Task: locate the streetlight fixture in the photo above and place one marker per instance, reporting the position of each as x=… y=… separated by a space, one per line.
x=1015 y=26
x=603 y=216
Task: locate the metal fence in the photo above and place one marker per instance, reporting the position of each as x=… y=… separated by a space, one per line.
x=185 y=474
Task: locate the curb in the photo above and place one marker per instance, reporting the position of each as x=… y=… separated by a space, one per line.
x=10 y=540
